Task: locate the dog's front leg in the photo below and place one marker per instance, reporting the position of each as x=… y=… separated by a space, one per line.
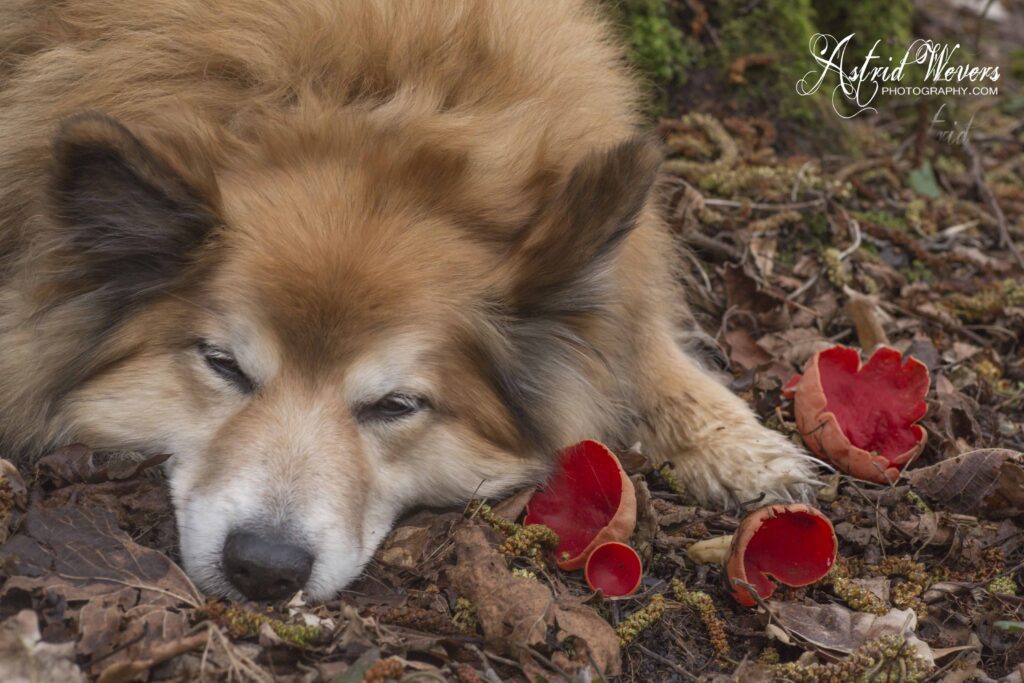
x=719 y=450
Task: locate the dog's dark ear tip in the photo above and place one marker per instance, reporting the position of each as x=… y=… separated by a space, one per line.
x=89 y=132
x=124 y=213
x=89 y=145
x=645 y=156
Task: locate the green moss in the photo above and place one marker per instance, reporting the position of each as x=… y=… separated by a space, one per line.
x=918 y=272
x=658 y=47
x=245 y=623
x=821 y=232
x=1017 y=63
x=889 y=220
x=779 y=29
x=888 y=21
x=871 y=250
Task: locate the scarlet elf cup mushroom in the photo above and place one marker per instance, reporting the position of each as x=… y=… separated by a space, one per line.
x=862 y=418
x=588 y=501
x=791 y=544
x=613 y=568
x=591 y=504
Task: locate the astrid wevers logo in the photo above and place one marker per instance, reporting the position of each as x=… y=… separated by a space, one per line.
x=862 y=83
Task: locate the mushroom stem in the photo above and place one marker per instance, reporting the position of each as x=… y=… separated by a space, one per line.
x=710 y=551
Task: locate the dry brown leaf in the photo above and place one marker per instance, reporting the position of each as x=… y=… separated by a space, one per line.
x=588 y=628
x=795 y=345
x=837 y=628
x=514 y=612
x=744 y=351
x=988 y=482
x=131 y=597
x=404 y=546
x=82 y=553
x=129 y=670
x=763 y=248
x=79 y=464
x=512 y=507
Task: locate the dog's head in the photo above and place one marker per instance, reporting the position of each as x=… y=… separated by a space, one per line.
x=324 y=339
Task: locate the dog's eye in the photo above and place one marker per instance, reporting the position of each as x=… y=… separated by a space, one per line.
x=394 y=406
x=225 y=365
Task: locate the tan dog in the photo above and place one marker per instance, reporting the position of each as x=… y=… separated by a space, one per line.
x=340 y=259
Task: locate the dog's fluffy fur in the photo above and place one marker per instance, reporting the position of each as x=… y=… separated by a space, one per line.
x=342 y=258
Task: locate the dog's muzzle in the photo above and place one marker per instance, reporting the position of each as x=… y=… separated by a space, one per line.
x=264 y=566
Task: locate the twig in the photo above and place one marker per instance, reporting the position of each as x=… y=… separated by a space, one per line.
x=805 y=286
x=978 y=175
x=702 y=241
x=666 y=661
x=489 y=672
x=855 y=236
x=544 y=661
x=137 y=586
x=795 y=206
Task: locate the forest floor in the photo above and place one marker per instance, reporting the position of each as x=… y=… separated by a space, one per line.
x=914 y=241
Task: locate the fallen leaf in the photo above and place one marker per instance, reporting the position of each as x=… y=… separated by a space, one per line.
x=987 y=482
x=514 y=612
x=404 y=546
x=837 y=628
x=587 y=628
x=79 y=464
x=82 y=553
x=131 y=669
x=763 y=248
x=131 y=597
x=744 y=351
x=922 y=181
x=744 y=291
x=513 y=507
x=794 y=346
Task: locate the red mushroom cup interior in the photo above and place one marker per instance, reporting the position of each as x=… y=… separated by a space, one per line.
x=588 y=501
x=862 y=418
x=614 y=568
x=792 y=544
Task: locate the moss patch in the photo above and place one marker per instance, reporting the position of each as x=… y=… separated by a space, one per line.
x=779 y=30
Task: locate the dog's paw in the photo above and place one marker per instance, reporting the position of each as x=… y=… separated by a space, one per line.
x=746 y=464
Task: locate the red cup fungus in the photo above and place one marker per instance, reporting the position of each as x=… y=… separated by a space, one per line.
x=613 y=568
x=588 y=501
x=862 y=418
x=792 y=544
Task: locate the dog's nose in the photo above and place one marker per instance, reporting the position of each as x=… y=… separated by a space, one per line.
x=265 y=567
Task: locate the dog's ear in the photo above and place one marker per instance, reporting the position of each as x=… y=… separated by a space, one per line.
x=128 y=220
x=580 y=229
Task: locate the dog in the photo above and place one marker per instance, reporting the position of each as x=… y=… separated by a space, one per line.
x=341 y=259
